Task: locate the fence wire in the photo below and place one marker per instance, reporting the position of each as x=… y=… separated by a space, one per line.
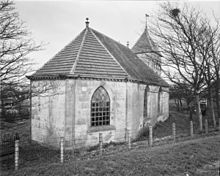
x=111 y=142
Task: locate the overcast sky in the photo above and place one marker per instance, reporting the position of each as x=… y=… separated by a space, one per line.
x=59 y=22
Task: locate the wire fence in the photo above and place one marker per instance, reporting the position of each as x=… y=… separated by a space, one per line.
x=102 y=143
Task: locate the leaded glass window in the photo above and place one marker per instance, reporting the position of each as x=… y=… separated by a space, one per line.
x=100 y=108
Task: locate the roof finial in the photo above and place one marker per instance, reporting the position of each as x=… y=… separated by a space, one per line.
x=146 y=15
x=128 y=44
x=87 y=22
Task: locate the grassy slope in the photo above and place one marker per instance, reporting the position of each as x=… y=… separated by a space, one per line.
x=163 y=160
x=182 y=121
x=35 y=156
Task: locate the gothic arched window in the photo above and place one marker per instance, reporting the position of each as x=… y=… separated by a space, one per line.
x=159 y=100
x=100 y=108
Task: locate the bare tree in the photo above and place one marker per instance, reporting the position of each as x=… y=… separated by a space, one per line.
x=15 y=44
x=180 y=35
x=205 y=48
x=180 y=92
x=215 y=60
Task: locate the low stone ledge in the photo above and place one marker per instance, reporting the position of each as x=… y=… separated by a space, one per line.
x=101 y=128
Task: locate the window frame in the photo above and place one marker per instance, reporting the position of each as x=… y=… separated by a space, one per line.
x=100 y=111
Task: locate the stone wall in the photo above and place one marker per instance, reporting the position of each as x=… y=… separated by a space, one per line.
x=157 y=107
x=84 y=134
x=48 y=102
x=64 y=110
x=164 y=104
x=153 y=104
x=135 y=108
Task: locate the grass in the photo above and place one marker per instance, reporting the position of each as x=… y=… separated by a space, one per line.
x=163 y=129
x=163 y=160
x=36 y=159
x=20 y=127
x=182 y=121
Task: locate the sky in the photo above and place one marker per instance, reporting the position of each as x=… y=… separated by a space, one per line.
x=56 y=23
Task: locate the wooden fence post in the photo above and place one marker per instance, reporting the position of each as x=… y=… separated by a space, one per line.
x=150 y=135
x=129 y=139
x=206 y=126
x=174 y=131
x=61 y=149
x=16 y=150
x=191 y=129
x=100 y=143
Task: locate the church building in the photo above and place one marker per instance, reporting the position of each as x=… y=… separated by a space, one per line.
x=147 y=51
x=97 y=85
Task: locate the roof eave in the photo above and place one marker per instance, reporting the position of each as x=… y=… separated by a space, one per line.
x=63 y=77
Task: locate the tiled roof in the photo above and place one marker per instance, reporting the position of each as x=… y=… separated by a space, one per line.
x=130 y=62
x=94 y=55
x=95 y=60
x=145 y=45
x=63 y=61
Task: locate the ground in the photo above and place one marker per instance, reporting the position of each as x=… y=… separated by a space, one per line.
x=197 y=156
x=169 y=160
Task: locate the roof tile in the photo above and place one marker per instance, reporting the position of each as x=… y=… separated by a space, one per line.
x=95 y=55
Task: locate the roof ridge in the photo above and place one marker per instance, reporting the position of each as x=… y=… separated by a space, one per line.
x=60 y=51
x=78 y=54
x=109 y=52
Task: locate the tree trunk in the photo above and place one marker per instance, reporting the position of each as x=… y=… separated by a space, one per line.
x=181 y=104
x=213 y=113
x=198 y=112
x=177 y=105
x=190 y=113
x=211 y=107
x=2 y=110
x=217 y=95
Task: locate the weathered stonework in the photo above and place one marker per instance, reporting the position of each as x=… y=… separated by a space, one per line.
x=48 y=115
x=84 y=92
x=64 y=110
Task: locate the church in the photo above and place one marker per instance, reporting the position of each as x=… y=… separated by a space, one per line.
x=97 y=85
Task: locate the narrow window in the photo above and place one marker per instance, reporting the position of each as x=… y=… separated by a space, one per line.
x=159 y=101
x=145 y=101
x=100 y=108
